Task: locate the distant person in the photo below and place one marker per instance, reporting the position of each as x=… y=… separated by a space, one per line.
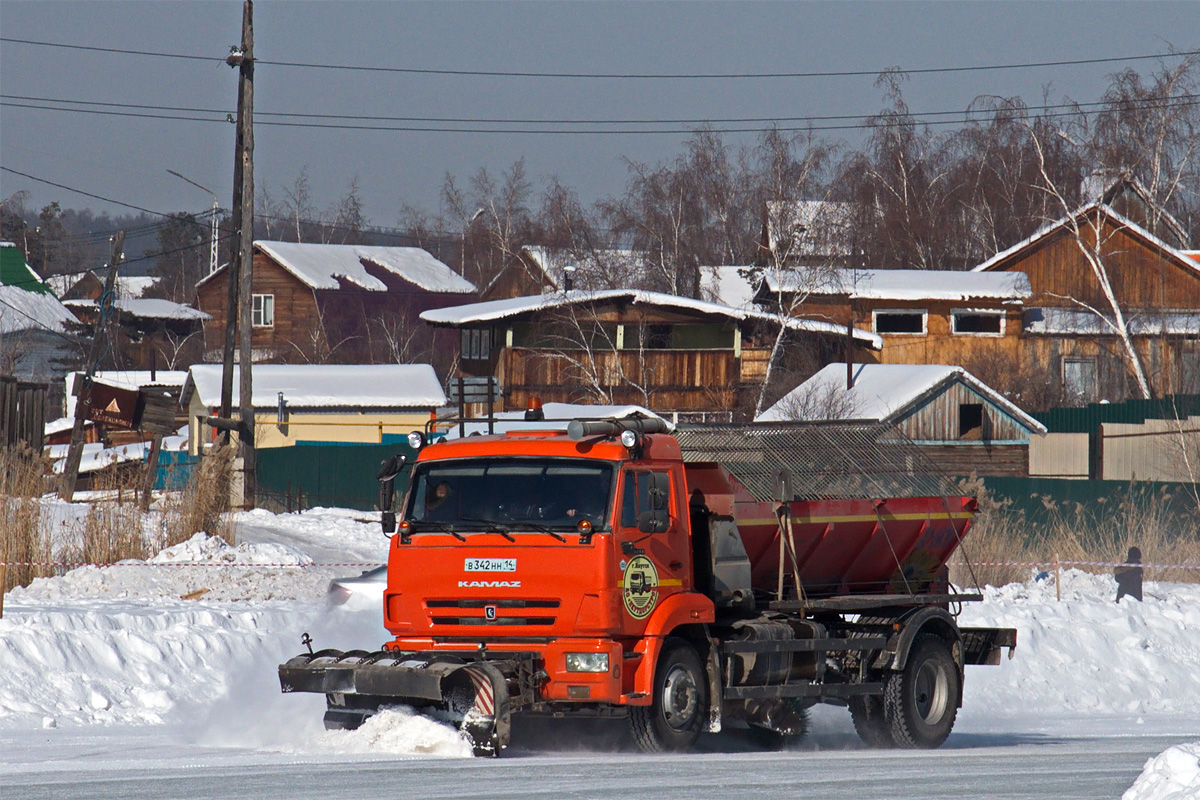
x=1129 y=576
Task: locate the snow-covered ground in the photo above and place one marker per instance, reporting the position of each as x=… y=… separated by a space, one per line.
x=112 y=666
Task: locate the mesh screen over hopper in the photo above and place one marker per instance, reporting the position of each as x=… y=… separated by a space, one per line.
x=825 y=460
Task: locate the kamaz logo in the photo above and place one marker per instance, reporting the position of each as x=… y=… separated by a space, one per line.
x=489 y=584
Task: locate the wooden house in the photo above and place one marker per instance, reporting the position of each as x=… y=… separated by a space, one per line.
x=1069 y=328
x=695 y=358
x=921 y=316
x=342 y=403
x=960 y=423
x=346 y=303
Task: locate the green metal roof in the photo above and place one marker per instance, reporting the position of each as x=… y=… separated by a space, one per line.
x=15 y=272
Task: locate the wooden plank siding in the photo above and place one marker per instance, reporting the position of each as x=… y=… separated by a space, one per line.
x=685 y=380
x=979 y=459
x=295 y=309
x=938 y=419
x=1142 y=275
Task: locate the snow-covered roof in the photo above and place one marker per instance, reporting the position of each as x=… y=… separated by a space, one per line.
x=134 y=286
x=727 y=286
x=325 y=385
x=322 y=265
x=557 y=415
x=881 y=392
x=1068 y=321
x=148 y=308
x=493 y=310
x=900 y=284
x=1122 y=221
x=25 y=301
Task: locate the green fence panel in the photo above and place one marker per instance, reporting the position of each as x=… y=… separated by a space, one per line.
x=326 y=474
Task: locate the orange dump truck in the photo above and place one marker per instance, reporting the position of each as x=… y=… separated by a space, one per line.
x=607 y=570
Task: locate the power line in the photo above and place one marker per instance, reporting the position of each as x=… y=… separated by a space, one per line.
x=609 y=75
x=82 y=192
x=869 y=123
x=1152 y=102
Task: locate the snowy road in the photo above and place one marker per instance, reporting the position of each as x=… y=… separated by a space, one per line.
x=143 y=763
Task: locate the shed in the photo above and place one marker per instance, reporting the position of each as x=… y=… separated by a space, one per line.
x=347 y=403
x=963 y=425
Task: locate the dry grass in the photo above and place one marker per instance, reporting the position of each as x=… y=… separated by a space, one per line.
x=22 y=538
x=203 y=505
x=1071 y=533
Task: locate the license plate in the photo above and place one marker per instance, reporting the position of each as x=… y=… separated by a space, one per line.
x=490 y=565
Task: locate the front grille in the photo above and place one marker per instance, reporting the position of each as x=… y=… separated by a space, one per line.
x=497 y=621
x=505 y=603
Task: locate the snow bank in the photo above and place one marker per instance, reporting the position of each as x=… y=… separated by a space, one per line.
x=1087 y=655
x=206 y=565
x=1171 y=775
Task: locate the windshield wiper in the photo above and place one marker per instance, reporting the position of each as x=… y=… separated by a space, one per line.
x=499 y=527
x=441 y=526
x=540 y=528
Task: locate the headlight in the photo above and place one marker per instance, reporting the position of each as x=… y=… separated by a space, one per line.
x=416 y=440
x=628 y=438
x=587 y=662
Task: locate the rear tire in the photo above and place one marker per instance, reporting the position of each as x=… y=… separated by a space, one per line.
x=920 y=703
x=869 y=722
x=678 y=710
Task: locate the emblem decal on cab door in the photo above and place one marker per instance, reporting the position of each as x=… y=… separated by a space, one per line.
x=639 y=587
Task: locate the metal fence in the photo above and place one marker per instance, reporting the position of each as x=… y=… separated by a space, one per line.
x=821 y=460
x=325 y=474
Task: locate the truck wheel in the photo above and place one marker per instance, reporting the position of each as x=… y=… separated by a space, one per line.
x=921 y=702
x=869 y=721
x=679 y=707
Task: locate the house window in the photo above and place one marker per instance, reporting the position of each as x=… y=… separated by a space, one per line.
x=1079 y=377
x=980 y=323
x=899 y=321
x=1189 y=372
x=264 y=311
x=476 y=344
x=970 y=421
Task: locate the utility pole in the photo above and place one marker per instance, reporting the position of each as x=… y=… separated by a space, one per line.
x=243 y=59
x=66 y=489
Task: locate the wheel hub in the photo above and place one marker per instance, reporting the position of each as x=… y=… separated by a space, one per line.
x=931 y=691
x=680 y=698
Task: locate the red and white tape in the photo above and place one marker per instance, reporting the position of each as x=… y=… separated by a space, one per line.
x=226 y=564
x=1064 y=563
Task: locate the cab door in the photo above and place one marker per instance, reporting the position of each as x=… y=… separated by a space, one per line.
x=651 y=542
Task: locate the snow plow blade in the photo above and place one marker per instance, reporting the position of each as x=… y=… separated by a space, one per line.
x=358 y=683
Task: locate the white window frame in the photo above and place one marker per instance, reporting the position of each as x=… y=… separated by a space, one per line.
x=263 y=313
x=909 y=311
x=988 y=312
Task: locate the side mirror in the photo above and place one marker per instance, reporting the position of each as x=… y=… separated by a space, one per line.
x=388 y=470
x=657 y=519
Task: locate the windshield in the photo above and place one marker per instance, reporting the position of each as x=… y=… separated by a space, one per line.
x=537 y=493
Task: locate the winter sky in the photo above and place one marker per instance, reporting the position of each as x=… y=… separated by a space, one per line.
x=126 y=158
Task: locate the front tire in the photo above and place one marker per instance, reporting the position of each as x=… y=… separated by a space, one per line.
x=920 y=703
x=679 y=702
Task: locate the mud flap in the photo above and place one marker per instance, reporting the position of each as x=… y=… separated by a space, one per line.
x=482 y=700
x=715 y=694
